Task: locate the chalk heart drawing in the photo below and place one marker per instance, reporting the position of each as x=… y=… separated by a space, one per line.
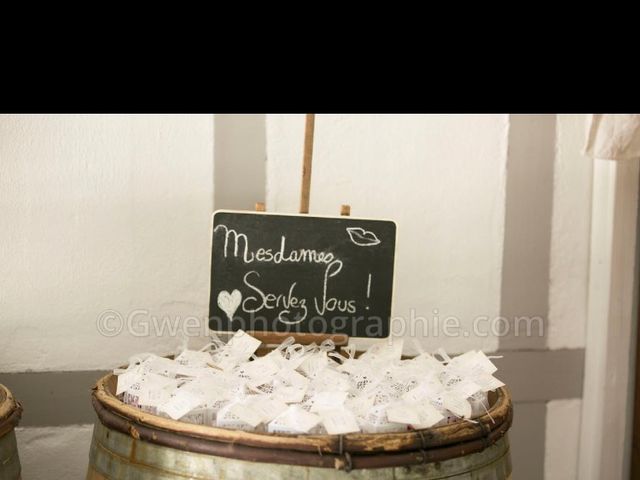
x=362 y=237
x=229 y=302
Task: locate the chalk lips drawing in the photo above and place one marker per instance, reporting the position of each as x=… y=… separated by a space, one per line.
x=229 y=302
x=362 y=237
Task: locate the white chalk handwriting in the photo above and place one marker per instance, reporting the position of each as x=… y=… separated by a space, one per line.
x=287 y=306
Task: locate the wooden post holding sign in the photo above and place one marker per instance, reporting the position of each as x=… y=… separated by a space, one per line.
x=305 y=191
x=300 y=274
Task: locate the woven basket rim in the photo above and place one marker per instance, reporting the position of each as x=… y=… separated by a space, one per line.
x=10 y=411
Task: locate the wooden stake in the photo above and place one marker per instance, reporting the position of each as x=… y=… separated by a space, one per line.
x=306 y=163
x=345 y=210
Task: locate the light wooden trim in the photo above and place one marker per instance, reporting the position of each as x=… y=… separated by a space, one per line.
x=606 y=411
x=305 y=192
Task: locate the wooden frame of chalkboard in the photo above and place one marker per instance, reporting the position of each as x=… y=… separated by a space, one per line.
x=293 y=273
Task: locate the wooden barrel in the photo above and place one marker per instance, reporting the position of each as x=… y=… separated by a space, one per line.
x=10 y=412
x=131 y=444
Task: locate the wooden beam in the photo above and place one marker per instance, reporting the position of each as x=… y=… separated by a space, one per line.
x=306 y=163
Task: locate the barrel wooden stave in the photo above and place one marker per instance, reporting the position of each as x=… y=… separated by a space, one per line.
x=9 y=414
x=115 y=455
x=9 y=459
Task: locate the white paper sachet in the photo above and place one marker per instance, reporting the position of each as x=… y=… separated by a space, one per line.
x=364 y=378
x=180 y=404
x=193 y=358
x=246 y=412
x=290 y=394
x=292 y=388
x=329 y=379
x=463 y=387
x=126 y=380
x=384 y=352
x=294 y=420
x=377 y=421
x=484 y=363
x=278 y=355
x=200 y=416
x=131 y=396
x=428 y=416
x=426 y=363
x=159 y=365
x=361 y=404
x=479 y=404
x=406 y=413
x=488 y=382
x=327 y=401
x=426 y=390
x=313 y=364
x=456 y=405
x=267 y=408
x=149 y=390
x=289 y=386
x=240 y=347
x=134 y=363
x=228 y=418
x=294 y=355
x=339 y=421
x=471 y=365
x=153 y=397
x=258 y=371
x=211 y=390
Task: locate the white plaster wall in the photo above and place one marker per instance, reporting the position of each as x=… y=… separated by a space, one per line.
x=441 y=178
x=54 y=453
x=100 y=212
x=240 y=160
x=562 y=439
x=571 y=224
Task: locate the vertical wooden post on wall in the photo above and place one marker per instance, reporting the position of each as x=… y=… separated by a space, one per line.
x=635 y=436
x=306 y=163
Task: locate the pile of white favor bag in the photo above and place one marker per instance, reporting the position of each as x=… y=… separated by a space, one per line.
x=310 y=389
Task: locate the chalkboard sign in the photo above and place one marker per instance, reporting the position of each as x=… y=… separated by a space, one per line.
x=301 y=274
